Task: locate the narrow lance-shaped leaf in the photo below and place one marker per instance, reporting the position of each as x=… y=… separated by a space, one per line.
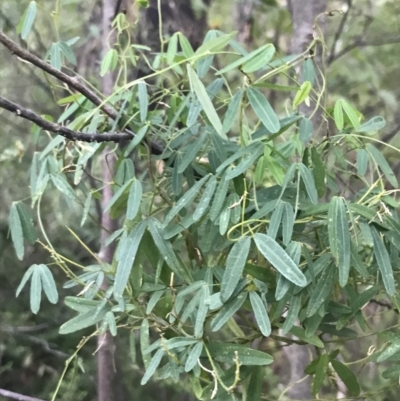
x=383 y=164
x=320 y=373
x=185 y=200
x=234 y=267
x=190 y=153
x=117 y=195
x=263 y=110
x=302 y=93
x=36 y=290
x=383 y=260
x=201 y=93
x=309 y=183
x=167 y=251
x=347 y=376
x=227 y=311
x=339 y=237
x=260 y=313
x=338 y=115
x=127 y=257
x=16 y=231
x=202 y=311
x=232 y=111
x=48 y=284
x=29 y=19
x=143 y=100
x=277 y=256
x=260 y=60
x=205 y=198
x=134 y=199
x=193 y=356
x=28 y=229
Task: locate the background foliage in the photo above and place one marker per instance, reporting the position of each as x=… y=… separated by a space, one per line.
x=252 y=209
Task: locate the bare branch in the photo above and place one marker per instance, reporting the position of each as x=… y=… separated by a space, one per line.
x=339 y=32
x=74 y=83
x=59 y=129
x=16 y=396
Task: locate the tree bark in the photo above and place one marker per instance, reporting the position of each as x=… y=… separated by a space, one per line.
x=303 y=15
x=106 y=372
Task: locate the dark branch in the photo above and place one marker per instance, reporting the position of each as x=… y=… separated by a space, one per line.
x=16 y=396
x=339 y=32
x=74 y=83
x=59 y=129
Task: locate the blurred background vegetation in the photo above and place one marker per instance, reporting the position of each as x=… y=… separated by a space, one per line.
x=362 y=65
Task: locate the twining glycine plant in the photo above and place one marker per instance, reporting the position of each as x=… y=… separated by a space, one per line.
x=238 y=220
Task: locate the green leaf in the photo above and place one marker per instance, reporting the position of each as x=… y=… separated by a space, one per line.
x=260 y=60
x=318 y=171
x=186 y=46
x=309 y=70
x=205 y=198
x=112 y=325
x=193 y=356
x=275 y=220
x=83 y=321
x=362 y=161
x=287 y=223
x=16 y=231
x=155 y=297
x=185 y=200
x=309 y=183
x=351 y=113
x=232 y=111
x=145 y=341
x=214 y=44
x=347 y=376
x=321 y=291
x=36 y=290
x=55 y=56
x=201 y=93
x=86 y=208
x=320 y=373
x=383 y=260
x=227 y=311
x=134 y=199
x=127 y=258
x=260 y=313
x=48 y=283
x=392 y=349
x=81 y=304
x=143 y=100
x=277 y=256
x=339 y=237
x=247 y=162
x=374 y=124
x=263 y=110
x=313 y=339
x=190 y=153
x=338 y=115
x=117 y=195
x=167 y=251
x=68 y=53
x=219 y=198
x=383 y=164
x=202 y=312
x=294 y=309
x=172 y=48
x=305 y=130
x=136 y=140
x=25 y=279
x=302 y=94
x=61 y=183
x=153 y=365
x=109 y=62
x=225 y=353
x=29 y=19
x=243 y=60
x=234 y=267
x=132 y=346
x=254 y=389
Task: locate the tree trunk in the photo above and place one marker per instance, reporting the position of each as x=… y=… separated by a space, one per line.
x=105 y=355
x=304 y=14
